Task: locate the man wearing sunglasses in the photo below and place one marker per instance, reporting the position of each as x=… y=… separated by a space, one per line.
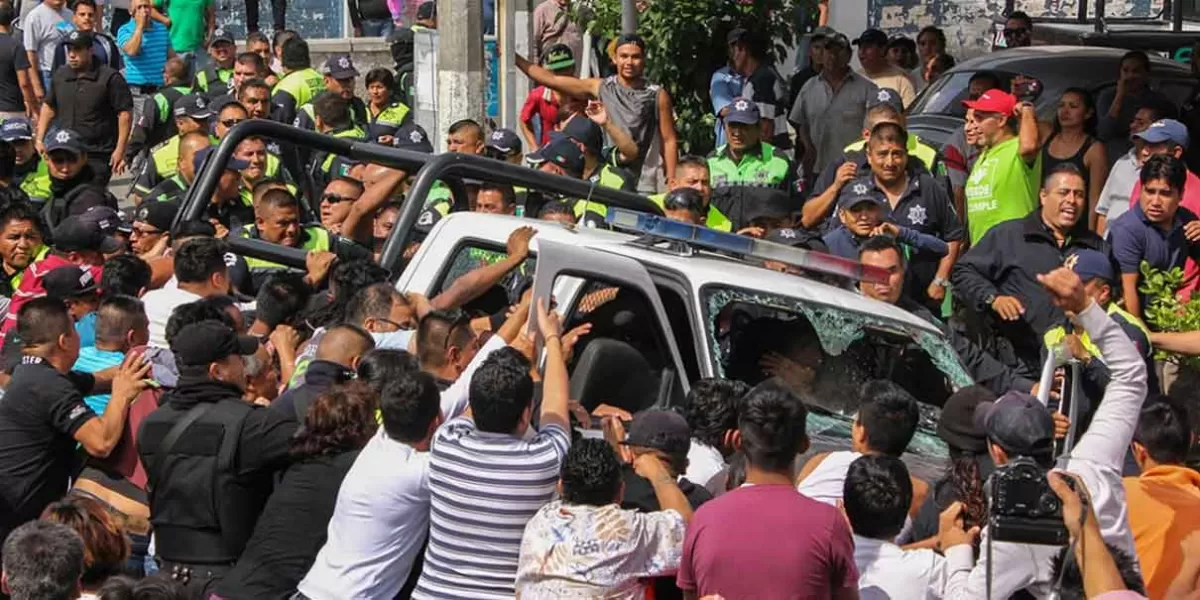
x=1018 y=30
x=446 y=344
x=337 y=199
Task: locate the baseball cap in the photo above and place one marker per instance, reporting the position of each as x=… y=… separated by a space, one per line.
x=412 y=137
x=1165 y=130
x=427 y=10
x=857 y=193
x=221 y=35
x=1018 y=423
x=558 y=57
x=201 y=344
x=400 y=35
x=195 y=106
x=110 y=220
x=797 y=238
x=835 y=39
x=957 y=426
x=426 y=220
x=234 y=164
x=75 y=234
x=65 y=139
x=505 y=141
x=79 y=40
x=821 y=33
x=737 y=34
x=339 y=66
x=562 y=152
x=586 y=132
x=158 y=215
x=69 y=282
x=886 y=96
x=16 y=129
x=664 y=430
x=744 y=111
x=872 y=37
x=993 y=101
x=1090 y=264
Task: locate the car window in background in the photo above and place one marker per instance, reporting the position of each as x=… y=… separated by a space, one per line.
x=946 y=95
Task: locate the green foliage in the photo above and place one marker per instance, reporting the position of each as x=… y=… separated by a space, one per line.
x=1166 y=312
x=685 y=44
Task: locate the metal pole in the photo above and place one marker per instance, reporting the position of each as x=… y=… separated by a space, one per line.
x=628 y=16
x=1177 y=15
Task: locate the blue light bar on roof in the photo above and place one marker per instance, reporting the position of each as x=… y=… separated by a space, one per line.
x=711 y=239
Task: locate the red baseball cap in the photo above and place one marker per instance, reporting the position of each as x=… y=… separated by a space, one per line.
x=993 y=101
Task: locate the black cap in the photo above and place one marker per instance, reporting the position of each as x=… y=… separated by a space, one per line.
x=201 y=344
x=559 y=57
x=75 y=234
x=340 y=66
x=872 y=37
x=195 y=106
x=957 y=424
x=69 y=282
x=66 y=140
x=412 y=137
x=221 y=35
x=79 y=40
x=586 y=132
x=158 y=215
x=505 y=141
x=426 y=220
x=427 y=10
x=738 y=34
x=664 y=430
x=744 y=111
x=1017 y=422
x=857 y=193
x=108 y=219
x=886 y=96
x=400 y=35
x=562 y=152
x=797 y=238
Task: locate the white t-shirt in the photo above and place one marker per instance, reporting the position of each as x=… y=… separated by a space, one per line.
x=159 y=306
x=705 y=463
x=378 y=526
x=887 y=571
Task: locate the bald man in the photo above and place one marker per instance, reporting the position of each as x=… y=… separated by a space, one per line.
x=172 y=188
x=338 y=354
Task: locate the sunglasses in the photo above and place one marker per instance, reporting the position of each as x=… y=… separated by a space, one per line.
x=1016 y=31
x=336 y=199
x=231 y=122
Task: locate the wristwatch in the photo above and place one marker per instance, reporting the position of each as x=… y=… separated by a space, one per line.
x=989 y=300
x=942 y=282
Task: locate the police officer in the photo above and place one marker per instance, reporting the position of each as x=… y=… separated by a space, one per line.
x=691 y=172
x=277 y=220
x=747 y=170
x=191 y=113
x=156 y=121
x=209 y=456
x=213 y=80
x=172 y=188
x=73 y=187
x=227 y=207
x=31 y=173
x=300 y=83
x=332 y=116
x=386 y=114
x=340 y=76
x=562 y=156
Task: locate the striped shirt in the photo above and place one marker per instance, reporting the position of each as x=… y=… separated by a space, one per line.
x=145 y=67
x=485 y=487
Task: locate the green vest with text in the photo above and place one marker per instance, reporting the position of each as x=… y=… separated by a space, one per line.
x=166 y=158
x=764 y=169
x=205 y=78
x=37 y=184
x=314 y=239
x=303 y=85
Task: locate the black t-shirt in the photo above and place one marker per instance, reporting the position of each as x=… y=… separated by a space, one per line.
x=12 y=59
x=39 y=415
x=279 y=552
x=765 y=88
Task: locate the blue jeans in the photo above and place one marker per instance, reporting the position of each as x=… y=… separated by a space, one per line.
x=377 y=27
x=46 y=77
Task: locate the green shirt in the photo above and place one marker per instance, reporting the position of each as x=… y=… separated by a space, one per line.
x=189 y=23
x=1001 y=187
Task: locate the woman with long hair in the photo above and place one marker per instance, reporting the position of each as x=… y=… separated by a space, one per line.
x=292 y=527
x=105 y=545
x=1072 y=139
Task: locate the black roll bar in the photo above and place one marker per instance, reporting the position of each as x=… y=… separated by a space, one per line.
x=486 y=169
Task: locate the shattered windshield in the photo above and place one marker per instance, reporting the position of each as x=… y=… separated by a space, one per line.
x=825 y=354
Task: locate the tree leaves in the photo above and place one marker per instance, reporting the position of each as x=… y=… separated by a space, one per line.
x=1166 y=312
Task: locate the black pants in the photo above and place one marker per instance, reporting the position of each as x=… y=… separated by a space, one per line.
x=101 y=170
x=278 y=8
x=119 y=17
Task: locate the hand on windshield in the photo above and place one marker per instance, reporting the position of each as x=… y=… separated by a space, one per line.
x=1008 y=307
x=518 y=242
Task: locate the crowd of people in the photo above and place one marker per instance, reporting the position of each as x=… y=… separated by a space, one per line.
x=179 y=421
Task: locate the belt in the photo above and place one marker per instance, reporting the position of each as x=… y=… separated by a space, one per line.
x=147 y=88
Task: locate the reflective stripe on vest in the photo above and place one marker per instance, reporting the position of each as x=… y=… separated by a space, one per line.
x=353 y=132
x=393 y=114
x=764 y=169
x=316 y=239
x=166 y=158
x=205 y=78
x=1054 y=337
x=37 y=184
x=302 y=85
x=15 y=280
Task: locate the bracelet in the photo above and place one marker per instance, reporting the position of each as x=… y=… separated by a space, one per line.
x=552 y=337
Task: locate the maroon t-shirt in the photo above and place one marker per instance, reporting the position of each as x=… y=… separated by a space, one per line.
x=767 y=541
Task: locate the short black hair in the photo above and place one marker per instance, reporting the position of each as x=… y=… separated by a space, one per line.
x=591 y=473
x=332 y=109
x=43 y=559
x=192 y=313
x=408 y=405
x=506 y=191
x=193 y=229
x=500 y=391
x=1066 y=571
x=1064 y=168
x=77 y=3
x=1137 y=55
x=125 y=275
x=555 y=207
x=992 y=79
x=8 y=14
x=466 y=124
x=381 y=75
x=117 y=316
x=693 y=161
x=43 y=320
x=881 y=243
x=277 y=198
x=712 y=409
x=347 y=279
x=295 y=54
x=281 y=298
x=200 y=258
x=372 y=301
x=437 y=331
x=381 y=365
x=1021 y=15
x=888 y=415
x=772 y=422
x=252 y=59
x=1164 y=429
x=936 y=31
x=1165 y=166
x=22 y=211
x=255 y=83
x=684 y=199
x=889 y=132
x=876 y=496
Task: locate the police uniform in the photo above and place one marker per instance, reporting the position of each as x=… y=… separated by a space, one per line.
x=713 y=220
x=233 y=213
x=156 y=122
x=33 y=177
x=293 y=91
x=321 y=164
x=164 y=158
x=388 y=121
x=213 y=81
x=742 y=187
x=170 y=190
x=210 y=459
x=340 y=67
x=313 y=238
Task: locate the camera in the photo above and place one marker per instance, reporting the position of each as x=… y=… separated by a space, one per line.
x=1023 y=509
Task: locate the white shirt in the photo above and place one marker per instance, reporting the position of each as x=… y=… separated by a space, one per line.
x=1114 y=198
x=705 y=463
x=159 y=306
x=378 y=526
x=887 y=571
x=827 y=480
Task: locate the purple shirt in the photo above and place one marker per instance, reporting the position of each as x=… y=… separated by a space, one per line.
x=810 y=552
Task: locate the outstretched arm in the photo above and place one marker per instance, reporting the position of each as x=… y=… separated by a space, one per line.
x=565 y=84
